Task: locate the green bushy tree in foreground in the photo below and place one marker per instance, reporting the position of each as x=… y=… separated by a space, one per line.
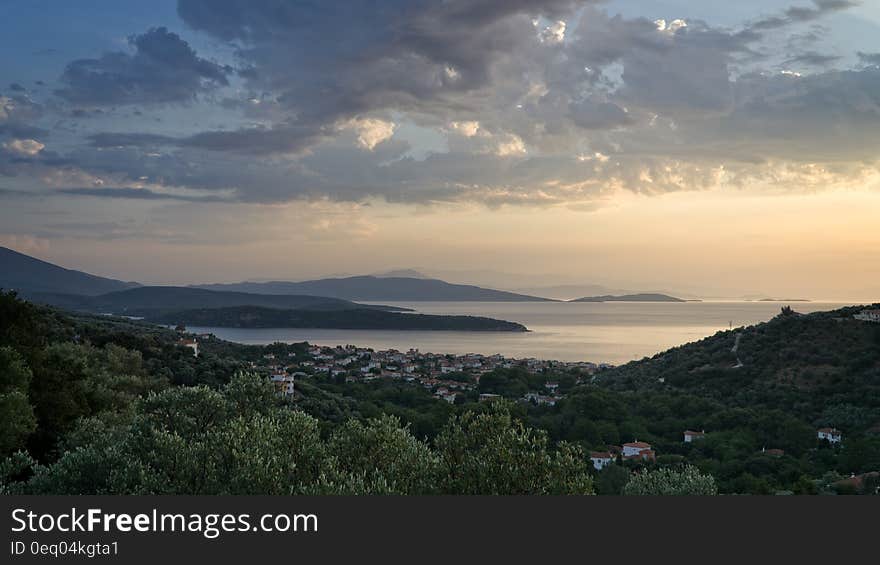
x=240 y=440
x=667 y=481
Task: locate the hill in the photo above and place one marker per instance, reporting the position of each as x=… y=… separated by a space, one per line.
x=151 y=299
x=823 y=367
x=645 y=297
x=372 y=288
x=28 y=275
x=256 y=317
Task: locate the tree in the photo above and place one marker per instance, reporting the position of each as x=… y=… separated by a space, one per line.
x=382 y=456
x=612 y=479
x=671 y=482
x=16 y=412
x=491 y=453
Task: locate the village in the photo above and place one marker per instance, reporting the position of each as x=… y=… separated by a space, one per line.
x=447 y=376
x=451 y=378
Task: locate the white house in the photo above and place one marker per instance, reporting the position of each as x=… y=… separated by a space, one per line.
x=635 y=448
x=690 y=436
x=833 y=435
x=638 y=450
x=192 y=344
x=283 y=383
x=601 y=459
x=868 y=316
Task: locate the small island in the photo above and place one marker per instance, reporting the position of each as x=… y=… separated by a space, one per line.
x=253 y=317
x=643 y=297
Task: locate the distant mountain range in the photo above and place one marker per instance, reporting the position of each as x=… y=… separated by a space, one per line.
x=631 y=298
x=373 y=289
x=149 y=299
x=50 y=284
x=29 y=275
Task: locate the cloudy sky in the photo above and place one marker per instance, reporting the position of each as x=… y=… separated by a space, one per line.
x=713 y=147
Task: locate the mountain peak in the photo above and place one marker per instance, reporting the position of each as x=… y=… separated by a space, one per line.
x=29 y=275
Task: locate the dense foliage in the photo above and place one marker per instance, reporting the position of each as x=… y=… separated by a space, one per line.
x=94 y=404
x=670 y=482
x=97 y=417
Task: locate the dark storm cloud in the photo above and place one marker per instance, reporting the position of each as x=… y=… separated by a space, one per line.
x=872 y=59
x=532 y=111
x=813 y=59
x=258 y=141
x=799 y=14
x=589 y=114
x=328 y=61
x=163 y=68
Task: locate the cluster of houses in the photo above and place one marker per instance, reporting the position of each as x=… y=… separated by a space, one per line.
x=868 y=316
x=439 y=373
x=633 y=451
x=641 y=451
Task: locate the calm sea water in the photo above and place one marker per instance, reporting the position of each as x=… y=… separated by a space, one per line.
x=609 y=332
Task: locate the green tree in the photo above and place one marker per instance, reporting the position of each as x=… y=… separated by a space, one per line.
x=383 y=456
x=612 y=479
x=491 y=453
x=671 y=482
x=16 y=412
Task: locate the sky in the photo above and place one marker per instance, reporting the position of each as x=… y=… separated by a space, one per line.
x=712 y=148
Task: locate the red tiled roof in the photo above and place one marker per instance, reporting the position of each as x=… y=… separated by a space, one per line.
x=691 y=433
x=640 y=444
x=600 y=455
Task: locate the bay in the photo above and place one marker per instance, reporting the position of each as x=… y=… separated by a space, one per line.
x=606 y=332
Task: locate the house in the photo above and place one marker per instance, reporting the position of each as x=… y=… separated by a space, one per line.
x=638 y=450
x=446 y=394
x=487 y=397
x=191 y=343
x=868 y=316
x=857 y=482
x=283 y=383
x=772 y=452
x=833 y=435
x=601 y=459
x=690 y=436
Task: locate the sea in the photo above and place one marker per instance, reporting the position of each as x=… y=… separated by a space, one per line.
x=606 y=332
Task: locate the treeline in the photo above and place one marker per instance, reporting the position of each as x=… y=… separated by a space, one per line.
x=242 y=440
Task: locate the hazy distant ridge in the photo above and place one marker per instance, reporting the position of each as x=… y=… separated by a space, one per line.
x=371 y=288
x=645 y=297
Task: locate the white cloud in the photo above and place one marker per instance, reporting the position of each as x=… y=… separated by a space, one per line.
x=554 y=33
x=23 y=147
x=670 y=27
x=511 y=146
x=467 y=128
x=371 y=131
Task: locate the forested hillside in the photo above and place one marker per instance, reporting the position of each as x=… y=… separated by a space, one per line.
x=100 y=405
x=97 y=404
